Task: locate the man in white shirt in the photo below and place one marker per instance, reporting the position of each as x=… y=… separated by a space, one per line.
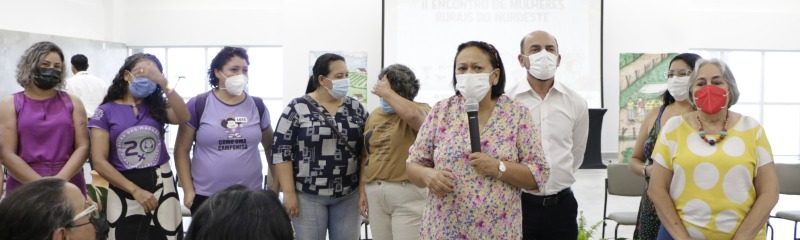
x=563 y=119
x=88 y=88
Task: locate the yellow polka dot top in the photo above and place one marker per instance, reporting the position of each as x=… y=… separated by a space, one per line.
x=712 y=186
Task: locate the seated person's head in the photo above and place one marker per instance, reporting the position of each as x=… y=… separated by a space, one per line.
x=241 y=214
x=49 y=208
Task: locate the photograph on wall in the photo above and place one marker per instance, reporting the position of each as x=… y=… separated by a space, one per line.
x=642 y=83
x=357 y=71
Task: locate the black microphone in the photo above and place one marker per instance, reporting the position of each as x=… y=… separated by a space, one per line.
x=474 y=132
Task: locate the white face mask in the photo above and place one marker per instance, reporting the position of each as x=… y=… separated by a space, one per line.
x=235 y=84
x=678 y=87
x=542 y=65
x=473 y=87
x=339 y=87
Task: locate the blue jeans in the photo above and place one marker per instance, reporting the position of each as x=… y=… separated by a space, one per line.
x=321 y=213
x=663 y=234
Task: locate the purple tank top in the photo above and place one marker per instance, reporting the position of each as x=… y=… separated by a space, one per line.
x=45 y=136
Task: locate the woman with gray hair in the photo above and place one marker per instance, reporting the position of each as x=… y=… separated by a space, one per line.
x=393 y=204
x=44 y=128
x=714 y=177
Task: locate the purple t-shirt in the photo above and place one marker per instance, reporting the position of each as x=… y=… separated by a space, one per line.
x=226 y=145
x=136 y=140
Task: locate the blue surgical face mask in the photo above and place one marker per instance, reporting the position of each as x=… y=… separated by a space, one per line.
x=386 y=107
x=339 y=88
x=141 y=87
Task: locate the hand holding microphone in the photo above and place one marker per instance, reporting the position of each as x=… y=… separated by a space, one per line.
x=473 y=87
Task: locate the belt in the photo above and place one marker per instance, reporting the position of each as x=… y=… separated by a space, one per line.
x=549 y=200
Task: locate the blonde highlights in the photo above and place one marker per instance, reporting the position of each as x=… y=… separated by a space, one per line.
x=30 y=60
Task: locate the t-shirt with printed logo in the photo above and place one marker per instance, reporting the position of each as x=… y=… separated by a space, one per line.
x=136 y=140
x=226 y=144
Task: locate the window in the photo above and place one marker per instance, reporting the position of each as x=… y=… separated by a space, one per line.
x=768 y=93
x=187 y=70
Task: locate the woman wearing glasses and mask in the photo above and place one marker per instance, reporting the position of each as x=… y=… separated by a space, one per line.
x=51 y=209
x=43 y=128
x=676 y=102
x=128 y=150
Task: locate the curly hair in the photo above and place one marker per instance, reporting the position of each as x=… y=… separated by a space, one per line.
x=402 y=80
x=223 y=57
x=155 y=102
x=29 y=63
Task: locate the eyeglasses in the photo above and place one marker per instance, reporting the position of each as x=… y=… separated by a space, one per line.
x=679 y=73
x=91 y=210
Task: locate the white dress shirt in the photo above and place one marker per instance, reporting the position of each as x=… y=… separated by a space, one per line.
x=563 y=120
x=89 y=89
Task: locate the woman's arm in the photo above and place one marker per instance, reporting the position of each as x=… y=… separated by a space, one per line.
x=766 y=185
x=177 y=113
x=2 y=179
x=283 y=149
x=636 y=164
x=266 y=142
x=438 y=182
x=17 y=167
x=516 y=174
x=81 y=152
x=100 y=148
x=183 y=164
x=363 y=204
x=658 y=191
x=407 y=110
x=285 y=174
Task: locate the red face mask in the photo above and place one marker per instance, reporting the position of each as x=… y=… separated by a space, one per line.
x=710 y=99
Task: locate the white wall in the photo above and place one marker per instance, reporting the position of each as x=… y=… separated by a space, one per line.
x=89 y=19
x=202 y=22
x=344 y=25
x=354 y=25
x=299 y=26
x=680 y=25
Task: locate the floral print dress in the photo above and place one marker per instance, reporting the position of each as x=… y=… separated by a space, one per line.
x=480 y=207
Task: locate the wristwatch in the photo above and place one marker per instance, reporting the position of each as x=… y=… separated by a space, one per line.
x=501 y=169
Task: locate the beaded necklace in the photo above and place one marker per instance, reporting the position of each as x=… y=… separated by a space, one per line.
x=722 y=134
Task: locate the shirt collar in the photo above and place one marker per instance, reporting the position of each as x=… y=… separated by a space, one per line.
x=523 y=87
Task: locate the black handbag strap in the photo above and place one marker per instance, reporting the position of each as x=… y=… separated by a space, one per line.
x=315 y=108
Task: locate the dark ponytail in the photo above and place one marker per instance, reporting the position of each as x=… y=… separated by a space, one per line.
x=321 y=67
